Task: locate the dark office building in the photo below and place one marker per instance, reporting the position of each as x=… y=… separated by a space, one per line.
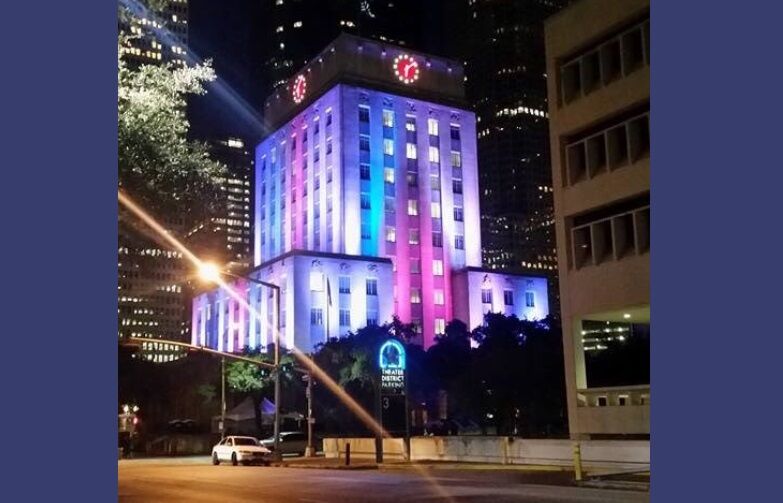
x=294 y=31
x=506 y=83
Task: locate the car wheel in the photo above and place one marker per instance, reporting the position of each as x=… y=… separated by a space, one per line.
x=234 y=458
x=215 y=460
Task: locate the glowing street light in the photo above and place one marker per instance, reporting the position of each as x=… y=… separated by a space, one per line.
x=208 y=271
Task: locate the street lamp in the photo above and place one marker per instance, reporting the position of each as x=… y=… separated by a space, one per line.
x=212 y=273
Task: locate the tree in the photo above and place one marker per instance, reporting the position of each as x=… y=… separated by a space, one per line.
x=157 y=165
x=352 y=362
x=257 y=381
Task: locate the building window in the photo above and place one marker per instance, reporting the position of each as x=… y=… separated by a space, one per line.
x=388 y=146
x=364 y=143
x=438 y=297
x=365 y=201
x=508 y=297
x=364 y=114
x=434 y=154
x=413 y=179
x=391 y=234
x=415 y=296
x=530 y=299
x=437 y=239
x=455 y=132
x=388 y=174
x=345 y=317
x=486 y=296
x=364 y=171
x=372 y=286
x=415 y=266
x=410 y=124
x=437 y=268
x=456 y=186
x=435 y=210
x=366 y=233
x=456 y=159
x=328 y=147
x=410 y=150
x=316 y=316
x=316 y=281
x=440 y=326
x=372 y=318
x=329 y=118
x=413 y=207
x=413 y=236
x=432 y=126
x=459 y=242
x=344 y=284
x=458 y=215
x=388 y=118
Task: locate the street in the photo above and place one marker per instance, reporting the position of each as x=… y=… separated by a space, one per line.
x=176 y=481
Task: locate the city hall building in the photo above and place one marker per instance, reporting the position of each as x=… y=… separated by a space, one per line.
x=366 y=207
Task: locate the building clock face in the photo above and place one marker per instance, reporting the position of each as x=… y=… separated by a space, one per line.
x=299 y=89
x=406 y=68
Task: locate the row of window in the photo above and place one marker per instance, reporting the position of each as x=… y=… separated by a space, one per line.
x=617 y=57
x=612 y=238
x=508 y=297
x=410 y=123
x=615 y=146
x=317 y=319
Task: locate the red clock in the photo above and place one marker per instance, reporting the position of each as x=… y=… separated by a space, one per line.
x=406 y=68
x=299 y=89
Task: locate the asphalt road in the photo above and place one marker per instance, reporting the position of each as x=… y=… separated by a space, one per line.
x=171 y=481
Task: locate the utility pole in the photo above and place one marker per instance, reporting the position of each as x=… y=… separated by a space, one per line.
x=310 y=451
x=222 y=398
x=277 y=454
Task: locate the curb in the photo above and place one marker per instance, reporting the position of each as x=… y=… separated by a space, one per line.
x=325 y=467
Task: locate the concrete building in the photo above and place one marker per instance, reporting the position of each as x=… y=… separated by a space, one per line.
x=366 y=206
x=598 y=57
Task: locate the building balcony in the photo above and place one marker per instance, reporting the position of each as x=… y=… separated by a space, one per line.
x=623 y=410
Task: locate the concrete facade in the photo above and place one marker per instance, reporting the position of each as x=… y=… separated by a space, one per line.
x=598 y=57
x=605 y=454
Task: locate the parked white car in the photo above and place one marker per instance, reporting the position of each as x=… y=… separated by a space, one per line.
x=245 y=450
x=291 y=442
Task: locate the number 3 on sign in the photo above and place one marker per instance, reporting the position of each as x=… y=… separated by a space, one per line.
x=385 y=402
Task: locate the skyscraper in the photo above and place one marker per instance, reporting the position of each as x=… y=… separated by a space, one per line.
x=227 y=237
x=144 y=27
x=294 y=31
x=506 y=83
x=151 y=290
x=366 y=207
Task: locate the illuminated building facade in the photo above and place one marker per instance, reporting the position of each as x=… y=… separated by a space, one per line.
x=366 y=207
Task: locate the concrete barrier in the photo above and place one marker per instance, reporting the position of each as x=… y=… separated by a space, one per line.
x=596 y=454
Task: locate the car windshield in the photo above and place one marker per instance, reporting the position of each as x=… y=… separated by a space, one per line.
x=245 y=441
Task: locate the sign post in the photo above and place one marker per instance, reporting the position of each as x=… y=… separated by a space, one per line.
x=392 y=386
